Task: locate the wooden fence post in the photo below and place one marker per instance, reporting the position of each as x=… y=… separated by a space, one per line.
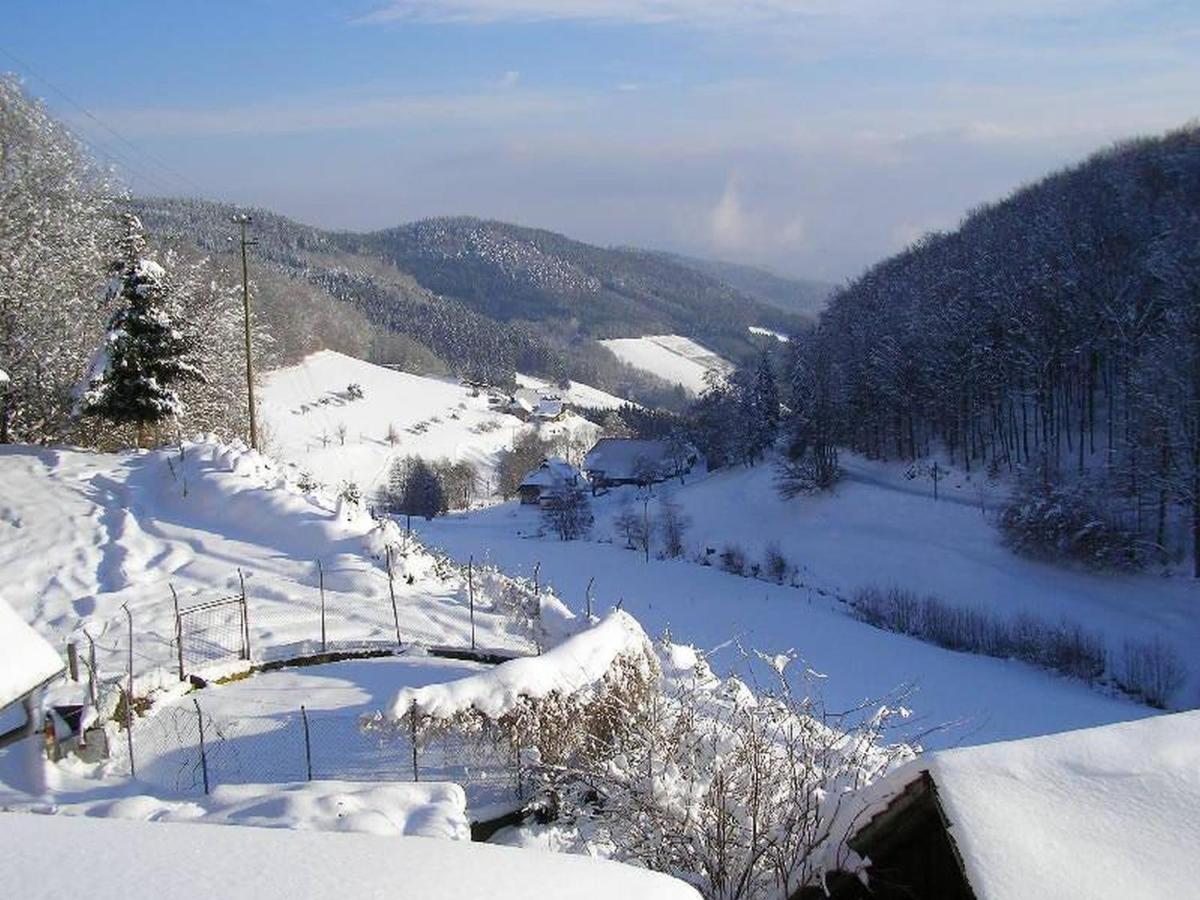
x=321 y=582
x=129 y=696
x=307 y=743
x=392 y=592
x=245 y=618
x=93 y=688
x=73 y=661
x=178 y=631
x=471 y=595
x=591 y=581
x=412 y=727
x=203 y=751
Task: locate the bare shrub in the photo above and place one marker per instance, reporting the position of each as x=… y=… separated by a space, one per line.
x=733 y=559
x=673 y=523
x=775 y=564
x=1066 y=648
x=1151 y=669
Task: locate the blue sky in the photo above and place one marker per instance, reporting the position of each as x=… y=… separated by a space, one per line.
x=810 y=136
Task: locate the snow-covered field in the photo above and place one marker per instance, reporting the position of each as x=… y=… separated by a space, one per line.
x=671 y=357
x=139 y=861
x=304 y=407
x=578 y=394
x=878 y=528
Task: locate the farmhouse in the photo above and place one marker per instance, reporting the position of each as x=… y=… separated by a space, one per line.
x=28 y=663
x=1104 y=812
x=616 y=461
x=547 y=479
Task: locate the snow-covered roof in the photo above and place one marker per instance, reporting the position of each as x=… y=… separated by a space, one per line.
x=1104 y=812
x=551 y=473
x=575 y=664
x=149 y=860
x=623 y=457
x=27 y=660
x=548 y=408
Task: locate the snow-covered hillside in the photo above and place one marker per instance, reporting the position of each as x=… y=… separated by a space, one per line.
x=876 y=529
x=671 y=357
x=305 y=407
x=82 y=534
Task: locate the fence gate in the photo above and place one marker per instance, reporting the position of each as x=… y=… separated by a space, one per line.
x=211 y=632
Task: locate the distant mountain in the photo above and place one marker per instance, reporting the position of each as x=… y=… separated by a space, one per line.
x=801 y=296
x=487 y=298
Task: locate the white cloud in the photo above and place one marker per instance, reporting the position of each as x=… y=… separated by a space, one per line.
x=728 y=225
x=510 y=78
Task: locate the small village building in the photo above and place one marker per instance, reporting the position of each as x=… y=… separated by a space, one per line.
x=1112 y=811
x=28 y=663
x=616 y=461
x=548 y=480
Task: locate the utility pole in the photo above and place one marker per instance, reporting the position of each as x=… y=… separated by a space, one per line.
x=242 y=220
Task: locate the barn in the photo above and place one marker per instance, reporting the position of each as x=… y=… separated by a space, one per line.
x=617 y=461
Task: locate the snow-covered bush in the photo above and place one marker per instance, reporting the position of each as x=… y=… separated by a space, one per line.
x=1151 y=669
x=648 y=757
x=1070 y=523
x=738 y=792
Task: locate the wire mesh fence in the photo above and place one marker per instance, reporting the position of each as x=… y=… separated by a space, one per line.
x=183 y=751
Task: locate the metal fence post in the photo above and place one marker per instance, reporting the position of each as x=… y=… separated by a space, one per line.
x=93 y=689
x=129 y=696
x=392 y=592
x=203 y=751
x=245 y=618
x=307 y=743
x=178 y=631
x=412 y=728
x=471 y=595
x=321 y=582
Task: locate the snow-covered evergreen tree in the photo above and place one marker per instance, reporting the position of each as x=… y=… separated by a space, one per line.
x=144 y=355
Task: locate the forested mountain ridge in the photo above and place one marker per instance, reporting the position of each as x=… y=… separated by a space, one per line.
x=489 y=298
x=1055 y=333
x=802 y=296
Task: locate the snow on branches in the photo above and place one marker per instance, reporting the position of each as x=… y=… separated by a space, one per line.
x=145 y=351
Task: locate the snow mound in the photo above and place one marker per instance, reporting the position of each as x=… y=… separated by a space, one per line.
x=572 y=666
x=27 y=660
x=142 y=861
x=1105 y=812
x=436 y=810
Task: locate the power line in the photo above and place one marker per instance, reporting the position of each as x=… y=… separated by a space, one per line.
x=145 y=154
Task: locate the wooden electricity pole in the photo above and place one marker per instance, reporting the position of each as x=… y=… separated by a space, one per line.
x=242 y=220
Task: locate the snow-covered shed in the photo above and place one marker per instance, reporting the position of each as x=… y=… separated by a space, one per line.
x=1108 y=812
x=28 y=662
x=552 y=475
x=615 y=461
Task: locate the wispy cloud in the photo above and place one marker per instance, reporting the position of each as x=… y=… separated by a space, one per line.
x=325 y=113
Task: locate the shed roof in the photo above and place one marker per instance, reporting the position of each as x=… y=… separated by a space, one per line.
x=1112 y=811
x=551 y=473
x=27 y=660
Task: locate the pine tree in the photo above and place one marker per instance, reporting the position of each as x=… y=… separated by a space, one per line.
x=764 y=401
x=144 y=354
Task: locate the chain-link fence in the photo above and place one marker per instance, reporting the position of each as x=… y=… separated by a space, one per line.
x=183 y=751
